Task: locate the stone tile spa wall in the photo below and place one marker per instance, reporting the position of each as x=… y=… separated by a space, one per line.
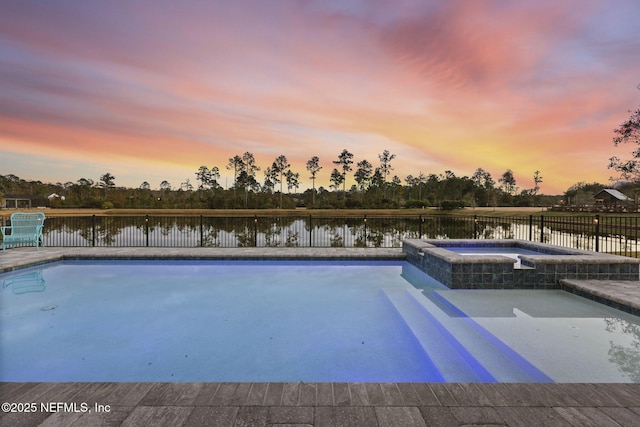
x=539 y=271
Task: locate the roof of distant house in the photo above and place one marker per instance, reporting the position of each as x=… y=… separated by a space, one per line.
x=614 y=193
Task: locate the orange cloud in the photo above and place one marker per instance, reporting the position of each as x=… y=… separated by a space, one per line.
x=455 y=85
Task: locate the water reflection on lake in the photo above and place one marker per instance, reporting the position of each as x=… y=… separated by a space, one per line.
x=378 y=232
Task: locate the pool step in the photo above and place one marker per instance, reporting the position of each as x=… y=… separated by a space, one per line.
x=449 y=357
x=446 y=333
x=504 y=363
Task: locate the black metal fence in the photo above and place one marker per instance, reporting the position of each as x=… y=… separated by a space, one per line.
x=601 y=234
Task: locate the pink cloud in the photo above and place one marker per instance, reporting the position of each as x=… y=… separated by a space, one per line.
x=454 y=85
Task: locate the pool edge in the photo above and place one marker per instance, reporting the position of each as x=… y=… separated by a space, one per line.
x=27 y=257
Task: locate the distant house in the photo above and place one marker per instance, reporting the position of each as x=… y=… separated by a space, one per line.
x=56 y=196
x=24 y=201
x=610 y=198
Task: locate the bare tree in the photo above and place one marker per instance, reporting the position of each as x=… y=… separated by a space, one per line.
x=628 y=131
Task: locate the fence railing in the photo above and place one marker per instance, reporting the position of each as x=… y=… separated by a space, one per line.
x=601 y=234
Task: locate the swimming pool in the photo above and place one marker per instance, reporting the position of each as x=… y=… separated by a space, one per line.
x=314 y=321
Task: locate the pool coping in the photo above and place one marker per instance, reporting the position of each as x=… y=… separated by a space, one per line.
x=620 y=294
x=14 y=259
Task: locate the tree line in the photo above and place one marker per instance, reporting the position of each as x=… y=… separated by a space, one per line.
x=375 y=187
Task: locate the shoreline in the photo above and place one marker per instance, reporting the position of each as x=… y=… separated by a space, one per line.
x=302 y=212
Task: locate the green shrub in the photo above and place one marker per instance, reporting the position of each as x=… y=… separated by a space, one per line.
x=415 y=204
x=449 y=205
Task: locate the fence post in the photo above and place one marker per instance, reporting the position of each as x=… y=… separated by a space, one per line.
x=475 y=226
x=93 y=230
x=596 y=221
x=420 y=227
x=530 y=227
x=365 y=231
x=146 y=229
x=201 y=232
x=541 y=228
x=310 y=232
x=255 y=231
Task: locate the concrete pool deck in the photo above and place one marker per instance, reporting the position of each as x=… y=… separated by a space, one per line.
x=621 y=294
x=311 y=404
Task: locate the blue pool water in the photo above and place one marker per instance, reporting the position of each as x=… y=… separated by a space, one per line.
x=297 y=321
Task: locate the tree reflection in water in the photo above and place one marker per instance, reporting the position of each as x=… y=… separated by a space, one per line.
x=626 y=357
x=307 y=231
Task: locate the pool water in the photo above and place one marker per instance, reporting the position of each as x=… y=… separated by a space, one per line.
x=382 y=321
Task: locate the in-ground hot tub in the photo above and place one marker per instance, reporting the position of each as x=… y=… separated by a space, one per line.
x=493 y=264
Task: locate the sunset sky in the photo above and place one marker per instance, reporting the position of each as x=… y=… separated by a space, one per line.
x=152 y=90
